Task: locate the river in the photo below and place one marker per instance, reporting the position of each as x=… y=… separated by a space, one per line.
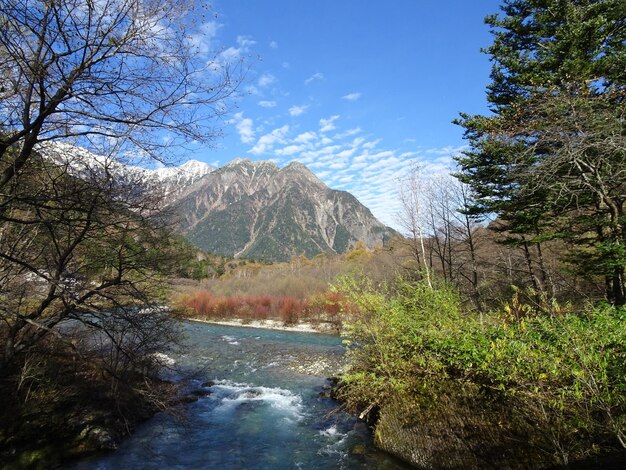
x=259 y=407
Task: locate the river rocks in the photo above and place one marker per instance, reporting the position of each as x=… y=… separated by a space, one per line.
x=99 y=437
x=358 y=449
x=315 y=365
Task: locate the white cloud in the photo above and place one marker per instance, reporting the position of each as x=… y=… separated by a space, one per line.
x=266 y=80
x=328 y=124
x=245 y=42
x=236 y=54
x=351 y=96
x=447 y=151
x=267 y=104
x=370 y=145
x=362 y=158
x=346 y=153
x=245 y=128
x=252 y=90
x=346 y=179
x=290 y=150
x=297 y=110
x=314 y=77
x=358 y=141
x=337 y=165
x=305 y=137
x=267 y=141
x=348 y=133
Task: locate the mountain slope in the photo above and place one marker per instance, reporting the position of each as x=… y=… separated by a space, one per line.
x=256 y=210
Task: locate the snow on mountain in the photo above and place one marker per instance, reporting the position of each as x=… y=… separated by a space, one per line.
x=168 y=181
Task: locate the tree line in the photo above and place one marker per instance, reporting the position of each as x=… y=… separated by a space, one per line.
x=546 y=168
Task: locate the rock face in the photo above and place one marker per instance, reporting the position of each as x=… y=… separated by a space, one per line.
x=256 y=210
x=451 y=428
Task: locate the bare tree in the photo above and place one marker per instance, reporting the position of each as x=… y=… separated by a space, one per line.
x=120 y=72
x=413 y=200
x=78 y=244
x=441 y=234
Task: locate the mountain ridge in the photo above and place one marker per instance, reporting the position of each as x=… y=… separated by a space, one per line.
x=245 y=208
x=258 y=210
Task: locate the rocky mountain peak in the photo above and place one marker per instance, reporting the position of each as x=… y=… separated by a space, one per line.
x=253 y=209
x=300 y=169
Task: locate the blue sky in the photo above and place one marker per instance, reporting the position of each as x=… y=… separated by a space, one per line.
x=358 y=90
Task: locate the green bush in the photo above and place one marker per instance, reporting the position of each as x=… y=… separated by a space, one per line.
x=564 y=373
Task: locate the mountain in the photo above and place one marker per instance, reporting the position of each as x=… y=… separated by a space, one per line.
x=166 y=182
x=173 y=181
x=256 y=210
x=244 y=209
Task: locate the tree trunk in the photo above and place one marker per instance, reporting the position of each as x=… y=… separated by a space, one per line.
x=531 y=271
x=619 y=294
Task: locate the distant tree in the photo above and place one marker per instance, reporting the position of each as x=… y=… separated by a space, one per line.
x=551 y=159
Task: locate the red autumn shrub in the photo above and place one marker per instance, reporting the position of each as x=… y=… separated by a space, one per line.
x=248 y=308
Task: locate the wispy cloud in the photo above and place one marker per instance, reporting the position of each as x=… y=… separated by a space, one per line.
x=201 y=40
x=290 y=150
x=348 y=133
x=266 y=142
x=297 y=110
x=328 y=124
x=266 y=80
x=305 y=137
x=449 y=150
x=267 y=104
x=351 y=96
x=236 y=54
x=315 y=77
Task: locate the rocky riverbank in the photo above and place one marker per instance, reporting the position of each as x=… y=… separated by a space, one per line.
x=301 y=327
x=457 y=426
x=78 y=420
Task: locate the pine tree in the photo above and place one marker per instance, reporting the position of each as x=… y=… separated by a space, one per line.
x=550 y=160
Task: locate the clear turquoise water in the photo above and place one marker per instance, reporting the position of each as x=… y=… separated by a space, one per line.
x=260 y=408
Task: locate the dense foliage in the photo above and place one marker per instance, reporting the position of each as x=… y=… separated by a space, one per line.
x=550 y=160
x=561 y=373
